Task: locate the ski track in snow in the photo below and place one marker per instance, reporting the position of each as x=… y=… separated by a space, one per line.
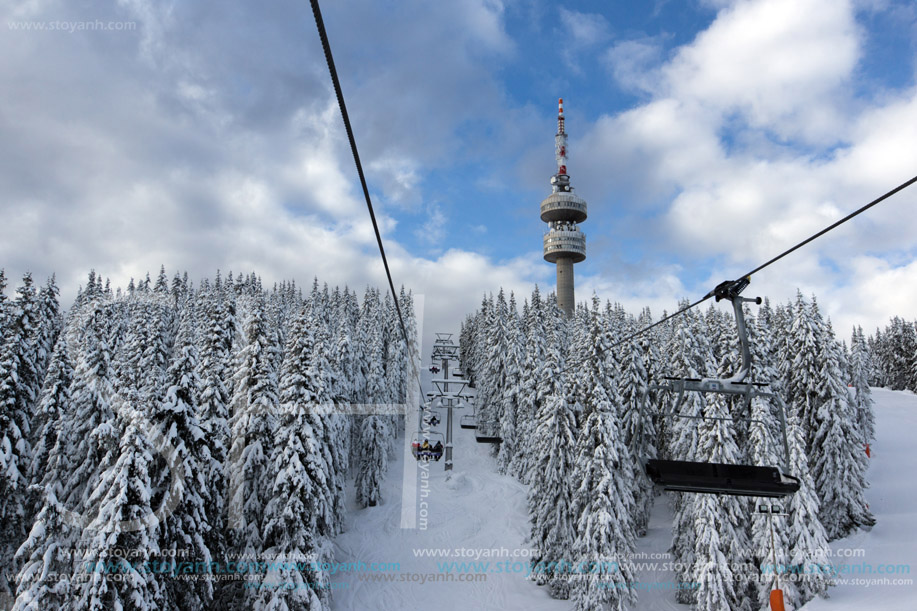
x=477 y=508
x=480 y=509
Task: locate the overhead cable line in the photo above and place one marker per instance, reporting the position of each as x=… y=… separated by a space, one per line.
x=718 y=291
x=326 y=46
x=878 y=200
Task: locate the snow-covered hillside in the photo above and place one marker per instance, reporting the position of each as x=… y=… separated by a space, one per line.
x=476 y=511
x=891 y=546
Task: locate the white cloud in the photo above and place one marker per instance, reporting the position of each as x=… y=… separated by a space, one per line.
x=647 y=151
x=398 y=178
x=634 y=63
x=579 y=32
x=780 y=63
x=433 y=230
x=882 y=291
x=583 y=29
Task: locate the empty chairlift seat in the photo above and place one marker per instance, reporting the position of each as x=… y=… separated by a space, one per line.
x=713 y=477
x=467 y=422
x=488 y=431
x=720 y=478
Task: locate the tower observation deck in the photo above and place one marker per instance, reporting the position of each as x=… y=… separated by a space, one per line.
x=564 y=243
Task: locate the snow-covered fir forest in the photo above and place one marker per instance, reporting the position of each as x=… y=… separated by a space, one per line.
x=567 y=404
x=169 y=423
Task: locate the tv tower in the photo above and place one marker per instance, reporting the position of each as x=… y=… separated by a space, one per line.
x=564 y=243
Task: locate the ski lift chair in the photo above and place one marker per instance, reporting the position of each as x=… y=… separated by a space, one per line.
x=467 y=422
x=723 y=478
x=417 y=440
x=488 y=431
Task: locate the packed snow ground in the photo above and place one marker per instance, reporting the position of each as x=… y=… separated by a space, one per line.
x=477 y=511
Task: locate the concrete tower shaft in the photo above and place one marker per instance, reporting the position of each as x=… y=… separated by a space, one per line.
x=565 y=298
x=564 y=244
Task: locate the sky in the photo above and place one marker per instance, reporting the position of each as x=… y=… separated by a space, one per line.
x=706 y=136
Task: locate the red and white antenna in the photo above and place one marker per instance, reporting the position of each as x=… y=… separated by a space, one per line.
x=560 y=141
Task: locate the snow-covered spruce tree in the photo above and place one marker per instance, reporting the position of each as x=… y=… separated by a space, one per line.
x=46 y=558
x=605 y=538
x=579 y=350
x=4 y=300
x=395 y=351
x=639 y=433
x=896 y=351
x=800 y=363
x=20 y=384
x=409 y=364
x=26 y=325
x=254 y=402
x=300 y=494
x=721 y=542
x=473 y=361
x=604 y=368
x=304 y=408
x=374 y=355
x=215 y=315
x=345 y=356
x=808 y=542
x=712 y=573
x=529 y=399
x=156 y=336
x=275 y=331
x=373 y=461
x=494 y=378
x=862 y=401
x=181 y=445
x=14 y=457
x=551 y=496
x=52 y=408
x=513 y=389
x=88 y=440
x=369 y=345
x=336 y=432
x=364 y=382
x=838 y=459
x=551 y=493
x=124 y=521
x=372 y=367
x=344 y=359
x=349 y=350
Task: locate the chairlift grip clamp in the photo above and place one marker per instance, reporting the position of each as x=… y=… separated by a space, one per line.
x=730 y=289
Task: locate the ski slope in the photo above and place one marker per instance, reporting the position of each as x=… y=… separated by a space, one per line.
x=477 y=511
x=893 y=499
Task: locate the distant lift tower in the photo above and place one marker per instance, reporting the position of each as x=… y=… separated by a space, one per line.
x=564 y=243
